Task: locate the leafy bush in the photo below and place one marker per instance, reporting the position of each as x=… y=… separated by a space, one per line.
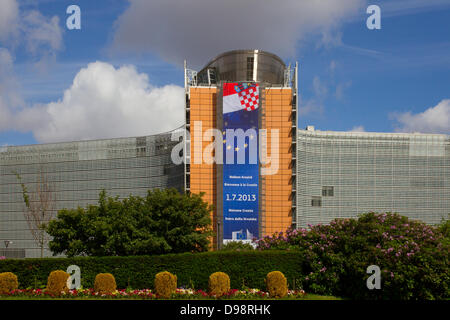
x=57 y=282
x=276 y=284
x=245 y=268
x=219 y=283
x=164 y=221
x=444 y=228
x=237 y=246
x=413 y=257
x=165 y=284
x=105 y=283
x=8 y=282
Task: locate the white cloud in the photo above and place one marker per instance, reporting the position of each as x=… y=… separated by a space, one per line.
x=311 y=106
x=314 y=105
x=9 y=97
x=333 y=66
x=198 y=30
x=106 y=102
x=102 y=102
x=433 y=120
x=330 y=38
x=28 y=31
x=41 y=33
x=339 y=93
x=9 y=14
x=5 y=115
x=358 y=129
x=5 y=65
x=35 y=35
x=320 y=89
x=6 y=61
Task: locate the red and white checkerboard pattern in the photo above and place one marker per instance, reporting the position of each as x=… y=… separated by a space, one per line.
x=249 y=98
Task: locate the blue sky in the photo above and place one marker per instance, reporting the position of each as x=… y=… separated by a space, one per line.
x=393 y=79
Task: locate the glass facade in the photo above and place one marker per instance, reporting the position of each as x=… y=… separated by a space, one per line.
x=343 y=174
x=76 y=172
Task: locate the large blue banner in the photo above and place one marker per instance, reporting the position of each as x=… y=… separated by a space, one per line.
x=240 y=164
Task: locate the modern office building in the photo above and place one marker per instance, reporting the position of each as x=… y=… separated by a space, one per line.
x=75 y=173
x=278 y=176
x=251 y=90
x=343 y=174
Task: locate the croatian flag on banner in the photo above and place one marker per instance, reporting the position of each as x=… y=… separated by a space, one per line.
x=240 y=96
x=240 y=180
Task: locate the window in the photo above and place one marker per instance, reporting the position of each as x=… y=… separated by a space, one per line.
x=141 y=152
x=316 y=201
x=169 y=169
x=141 y=141
x=328 y=191
x=250 y=63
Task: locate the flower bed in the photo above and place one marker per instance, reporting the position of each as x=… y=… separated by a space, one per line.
x=182 y=294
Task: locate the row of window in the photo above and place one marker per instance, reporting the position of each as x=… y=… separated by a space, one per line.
x=327 y=191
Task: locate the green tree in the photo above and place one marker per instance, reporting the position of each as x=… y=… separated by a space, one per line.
x=164 y=221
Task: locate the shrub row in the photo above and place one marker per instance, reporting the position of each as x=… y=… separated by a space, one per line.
x=245 y=268
x=165 y=285
x=57 y=283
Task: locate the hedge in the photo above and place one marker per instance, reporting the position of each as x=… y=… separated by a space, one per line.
x=246 y=268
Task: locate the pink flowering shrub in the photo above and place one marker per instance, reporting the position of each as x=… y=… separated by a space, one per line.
x=413 y=257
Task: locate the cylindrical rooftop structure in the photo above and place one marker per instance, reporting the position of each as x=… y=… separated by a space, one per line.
x=244 y=65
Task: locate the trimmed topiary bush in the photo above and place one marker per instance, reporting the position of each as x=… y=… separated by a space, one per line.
x=8 y=282
x=57 y=282
x=276 y=284
x=139 y=272
x=219 y=283
x=105 y=283
x=165 y=284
